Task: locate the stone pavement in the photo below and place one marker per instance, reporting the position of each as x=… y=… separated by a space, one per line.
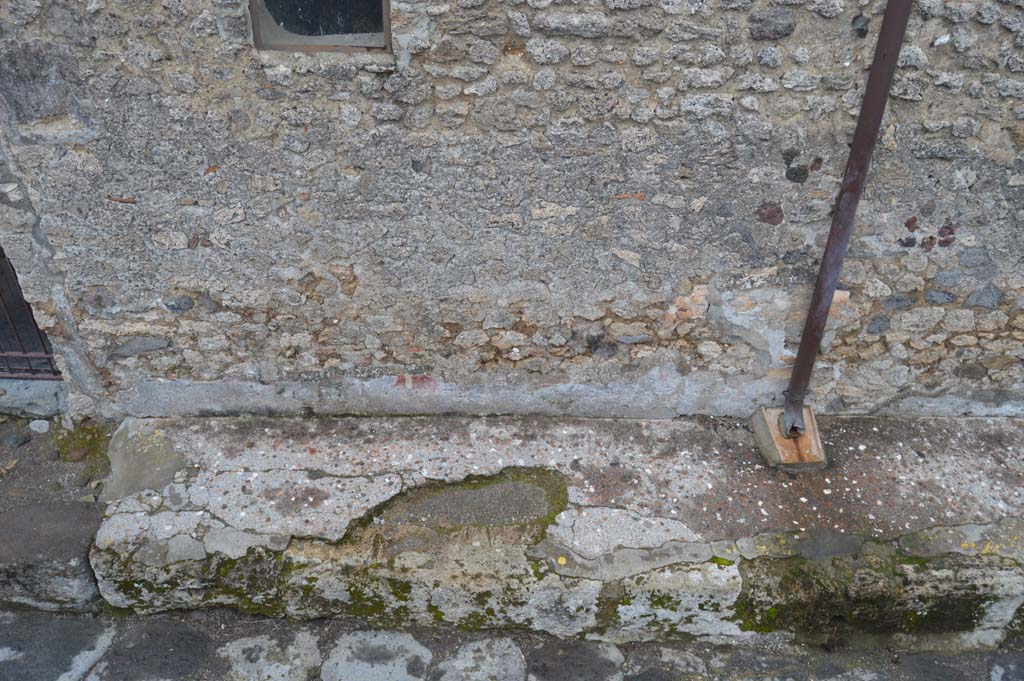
x=443 y=547
x=222 y=646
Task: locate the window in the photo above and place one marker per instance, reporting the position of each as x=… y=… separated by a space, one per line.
x=25 y=352
x=321 y=25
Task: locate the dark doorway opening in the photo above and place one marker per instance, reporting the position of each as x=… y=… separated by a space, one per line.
x=25 y=352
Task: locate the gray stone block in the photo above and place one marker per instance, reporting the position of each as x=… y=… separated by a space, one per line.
x=772 y=24
x=376 y=656
x=493 y=659
x=141 y=458
x=32 y=398
x=41 y=647
x=44 y=556
x=988 y=297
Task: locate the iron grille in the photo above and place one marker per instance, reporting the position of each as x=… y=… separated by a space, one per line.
x=25 y=352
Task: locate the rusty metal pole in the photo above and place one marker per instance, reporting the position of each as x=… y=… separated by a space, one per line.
x=887 y=52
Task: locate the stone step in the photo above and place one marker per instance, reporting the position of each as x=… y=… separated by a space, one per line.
x=617 y=530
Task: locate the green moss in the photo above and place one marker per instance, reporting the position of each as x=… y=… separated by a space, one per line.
x=308 y=589
x=916 y=561
x=399 y=589
x=140 y=589
x=612 y=597
x=750 y=617
x=663 y=601
x=660 y=612
x=554 y=486
x=259 y=581
x=379 y=545
x=86 y=444
x=1016 y=628
x=948 y=615
x=115 y=612
x=375 y=600
x=710 y=605
x=866 y=593
x=362 y=604
x=475 y=621
x=511 y=596
x=89 y=436
x=792 y=593
x=252 y=582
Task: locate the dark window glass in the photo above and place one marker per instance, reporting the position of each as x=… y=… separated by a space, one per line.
x=327 y=17
x=319 y=24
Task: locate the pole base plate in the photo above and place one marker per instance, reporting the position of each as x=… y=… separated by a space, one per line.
x=801 y=453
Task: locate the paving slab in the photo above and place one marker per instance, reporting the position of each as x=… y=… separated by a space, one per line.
x=36 y=646
x=377 y=656
x=493 y=659
x=266 y=658
x=169 y=651
x=620 y=530
x=576 y=661
x=44 y=556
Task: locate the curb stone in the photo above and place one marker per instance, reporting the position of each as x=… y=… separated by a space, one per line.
x=618 y=531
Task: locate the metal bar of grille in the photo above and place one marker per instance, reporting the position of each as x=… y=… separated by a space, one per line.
x=28 y=355
x=25 y=353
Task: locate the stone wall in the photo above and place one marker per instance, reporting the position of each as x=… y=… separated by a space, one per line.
x=606 y=208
